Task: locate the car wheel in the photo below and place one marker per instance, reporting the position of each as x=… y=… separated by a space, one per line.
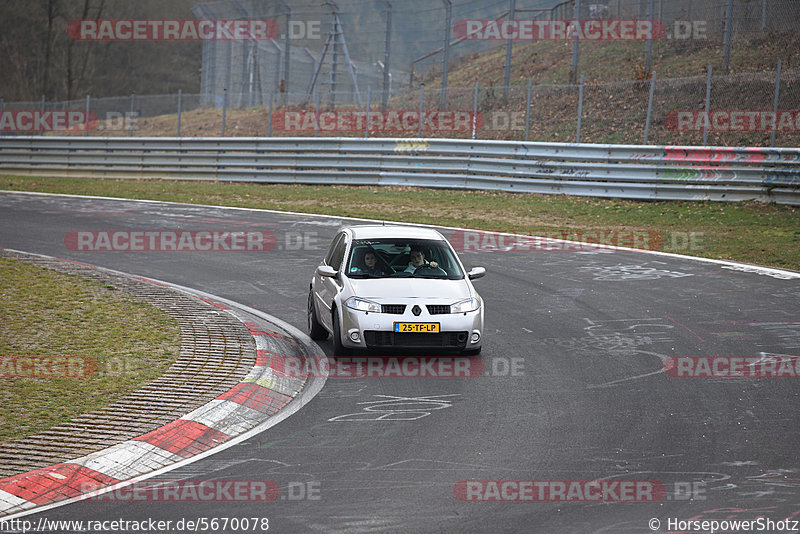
x=472 y=352
x=338 y=348
x=315 y=330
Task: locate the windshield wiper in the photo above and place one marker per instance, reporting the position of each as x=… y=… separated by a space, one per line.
x=364 y=275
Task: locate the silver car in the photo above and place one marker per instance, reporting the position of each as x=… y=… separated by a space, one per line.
x=383 y=287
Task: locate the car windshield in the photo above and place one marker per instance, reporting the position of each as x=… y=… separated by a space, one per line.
x=402 y=258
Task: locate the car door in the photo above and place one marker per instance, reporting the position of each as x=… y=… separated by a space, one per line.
x=329 y=287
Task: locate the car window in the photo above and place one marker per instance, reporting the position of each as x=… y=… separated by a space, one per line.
x=338 y=253
x=393 y=257
x=334 y=244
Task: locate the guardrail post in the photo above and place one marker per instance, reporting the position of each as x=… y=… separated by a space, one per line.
x=775 y=105
x=528 y=112
x=225 y=107
x=475 y=112
x=269 y=115
x=580 y=110
x=180 y=105
x=131 y=115
x=421 y=98
x=708 y=103
x=649 y=107
x=86 y=117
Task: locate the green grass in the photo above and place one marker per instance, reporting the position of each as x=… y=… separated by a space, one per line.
x=118 y=341
x=752 y=232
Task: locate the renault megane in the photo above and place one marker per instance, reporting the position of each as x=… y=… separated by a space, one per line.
x=382 y=287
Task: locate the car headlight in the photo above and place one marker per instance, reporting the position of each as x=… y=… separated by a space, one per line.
x=356 y=303
x=464 y=306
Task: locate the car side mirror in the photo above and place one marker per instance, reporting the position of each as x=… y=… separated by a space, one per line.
x=327 y=270
x=476 y=272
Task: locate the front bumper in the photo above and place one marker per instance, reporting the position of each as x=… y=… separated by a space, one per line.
x=376 y=330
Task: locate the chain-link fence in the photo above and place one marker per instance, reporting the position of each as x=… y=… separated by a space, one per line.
x=311 y=56
x=316 y=59
x=725 y=110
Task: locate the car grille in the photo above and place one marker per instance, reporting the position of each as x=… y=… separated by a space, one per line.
x=438 y=309
x=450 y=340
x=397 y=309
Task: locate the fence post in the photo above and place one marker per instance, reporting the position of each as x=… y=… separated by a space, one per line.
x=180 y=105
x=528 y=112
x=316 y=114
x=269 y=115
x=421 y=97
x=131 y=115
x=775 y=105
x=448 y=7
x=648 y=44
x=573 y=75
x=287 y=44
x=580 y=110
x=224 y=107
x=366 y=122
x=387 y=56
x=726 y=47
x=649 y=107
x=41 y=130
x=86 y=117
x=475 y=112
x=708 y=103
x=507 y=69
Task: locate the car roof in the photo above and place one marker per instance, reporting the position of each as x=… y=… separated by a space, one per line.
x=374 y=231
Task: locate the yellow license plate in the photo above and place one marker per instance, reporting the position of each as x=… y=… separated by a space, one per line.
x=423 y=328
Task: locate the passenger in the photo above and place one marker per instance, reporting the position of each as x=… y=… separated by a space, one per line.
x=371 y=263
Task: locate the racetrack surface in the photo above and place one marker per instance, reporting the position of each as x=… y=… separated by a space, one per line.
x=576 y=342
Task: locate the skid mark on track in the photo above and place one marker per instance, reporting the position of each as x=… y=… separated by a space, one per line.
x=621 y=273
x=394 y=408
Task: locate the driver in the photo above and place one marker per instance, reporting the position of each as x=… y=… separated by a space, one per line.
x=418 y=261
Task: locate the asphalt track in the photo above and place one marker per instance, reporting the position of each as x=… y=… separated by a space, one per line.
x=587 y=335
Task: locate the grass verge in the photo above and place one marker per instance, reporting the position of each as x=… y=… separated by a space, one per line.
x=86 y=344
x=752 y=232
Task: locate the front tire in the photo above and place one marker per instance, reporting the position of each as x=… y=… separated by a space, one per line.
x=316 y=331
x=338 y=348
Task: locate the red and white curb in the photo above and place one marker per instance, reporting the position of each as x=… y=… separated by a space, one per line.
x=247 y=408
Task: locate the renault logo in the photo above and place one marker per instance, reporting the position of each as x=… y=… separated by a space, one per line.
x=416 y=310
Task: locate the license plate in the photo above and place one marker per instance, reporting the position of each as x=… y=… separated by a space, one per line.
x=417 y=328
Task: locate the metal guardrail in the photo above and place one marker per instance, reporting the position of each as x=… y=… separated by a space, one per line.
x=624 y=171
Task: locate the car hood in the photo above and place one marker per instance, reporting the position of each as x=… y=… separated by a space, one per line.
x=395 y=288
